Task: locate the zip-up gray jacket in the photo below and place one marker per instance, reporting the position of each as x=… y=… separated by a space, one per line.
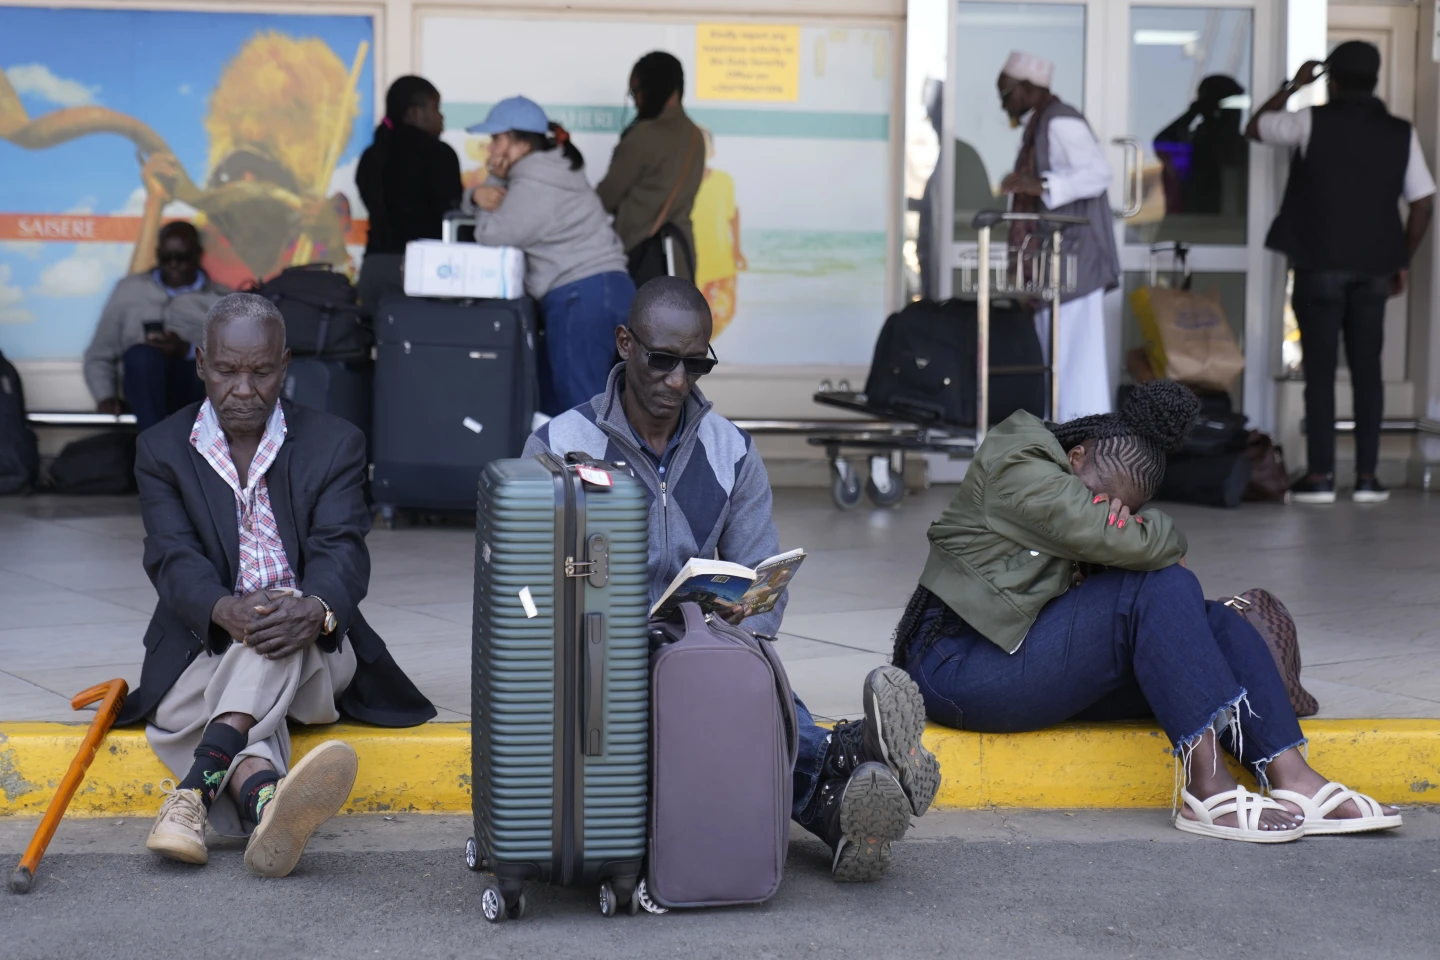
x=714 y=501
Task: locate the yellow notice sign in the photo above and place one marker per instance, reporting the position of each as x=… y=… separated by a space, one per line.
x=736 y=61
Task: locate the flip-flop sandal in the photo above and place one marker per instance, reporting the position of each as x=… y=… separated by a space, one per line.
x=1246 y=806
x=1330 y=798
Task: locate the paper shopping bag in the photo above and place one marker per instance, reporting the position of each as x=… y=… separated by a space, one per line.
x=1187 y=337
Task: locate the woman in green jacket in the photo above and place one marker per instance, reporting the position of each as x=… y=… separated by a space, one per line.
x=1048 y=596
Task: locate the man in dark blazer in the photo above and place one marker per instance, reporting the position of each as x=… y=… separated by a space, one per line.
x=255 y=526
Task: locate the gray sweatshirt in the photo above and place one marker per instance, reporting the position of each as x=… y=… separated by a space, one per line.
x=553 y=214
x=137 y=300
x=713 y=502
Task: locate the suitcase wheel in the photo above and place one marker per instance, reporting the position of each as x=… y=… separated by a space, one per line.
x=497 y=908
x=609 y=906
x=473 y=860
x=845 y=487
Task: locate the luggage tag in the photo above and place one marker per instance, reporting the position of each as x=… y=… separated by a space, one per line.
x=593 y=475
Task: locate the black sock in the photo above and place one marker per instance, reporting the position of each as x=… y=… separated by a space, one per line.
x=218 y=746
x=256 y=792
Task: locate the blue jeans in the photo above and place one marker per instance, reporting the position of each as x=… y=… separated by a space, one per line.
x=156 y=385
x=809 y=765
x=1123 y=645
x=580 y=322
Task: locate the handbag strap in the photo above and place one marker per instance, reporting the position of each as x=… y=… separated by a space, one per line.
x=679 y=181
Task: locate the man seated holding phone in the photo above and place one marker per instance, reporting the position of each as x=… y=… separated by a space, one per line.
x=856 y=786
x=149 y=327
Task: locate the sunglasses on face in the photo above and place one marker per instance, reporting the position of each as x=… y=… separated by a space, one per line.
x=666 y=362
x=175 y=258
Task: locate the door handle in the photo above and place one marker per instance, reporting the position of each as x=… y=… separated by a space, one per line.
x=1134 y=176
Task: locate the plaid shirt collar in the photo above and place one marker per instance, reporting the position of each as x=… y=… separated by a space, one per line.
x=208 y=438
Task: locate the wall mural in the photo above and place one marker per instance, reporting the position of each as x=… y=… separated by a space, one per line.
x=112 y=122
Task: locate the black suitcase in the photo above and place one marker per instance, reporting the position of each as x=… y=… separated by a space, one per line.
x=100 y=465
x=455 y=388
x=323 y=315
x=560 y=682
x=924 y=367
x=1210 y=480
x=341 y=387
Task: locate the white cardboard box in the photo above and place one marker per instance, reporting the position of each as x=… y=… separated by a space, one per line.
x=437 y=269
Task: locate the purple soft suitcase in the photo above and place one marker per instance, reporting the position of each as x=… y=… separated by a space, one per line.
x=723 y=743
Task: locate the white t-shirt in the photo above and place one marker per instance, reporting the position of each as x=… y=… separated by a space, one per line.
x=1293 y=130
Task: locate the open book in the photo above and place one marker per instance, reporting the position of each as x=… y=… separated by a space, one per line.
x=714 y=584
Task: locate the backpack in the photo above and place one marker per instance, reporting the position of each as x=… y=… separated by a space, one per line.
x=323 y=316
x=99 y=465
x=19 y=455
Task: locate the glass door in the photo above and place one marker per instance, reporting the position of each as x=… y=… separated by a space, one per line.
x=1166 y=87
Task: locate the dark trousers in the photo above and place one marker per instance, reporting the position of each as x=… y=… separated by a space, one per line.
x=156 y=385
x=1122 y=645
x=1329 y=303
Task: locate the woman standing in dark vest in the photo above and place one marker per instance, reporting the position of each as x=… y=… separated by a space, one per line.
x=1339 y=226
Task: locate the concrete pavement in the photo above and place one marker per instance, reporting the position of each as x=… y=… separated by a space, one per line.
x=981 y=884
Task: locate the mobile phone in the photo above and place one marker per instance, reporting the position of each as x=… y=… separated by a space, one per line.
x=153 y=328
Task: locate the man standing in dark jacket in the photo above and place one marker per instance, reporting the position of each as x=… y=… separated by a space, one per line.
x=255 y=540
x=1339 y=226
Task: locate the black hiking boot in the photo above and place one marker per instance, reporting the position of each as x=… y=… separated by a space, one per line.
x=890 y=734
x=862 y=816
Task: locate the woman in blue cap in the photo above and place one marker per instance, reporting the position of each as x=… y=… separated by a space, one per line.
x=537 y=199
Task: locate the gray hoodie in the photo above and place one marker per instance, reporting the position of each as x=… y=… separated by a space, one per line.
x=139 y=299
x=713 y=502
x=553 y=214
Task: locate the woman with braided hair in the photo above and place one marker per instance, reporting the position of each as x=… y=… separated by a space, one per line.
x=1049 y=596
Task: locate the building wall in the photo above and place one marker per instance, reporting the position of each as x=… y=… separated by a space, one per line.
x=812 y=165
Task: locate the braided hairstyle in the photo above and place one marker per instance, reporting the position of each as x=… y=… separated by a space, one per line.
x=1132 y=444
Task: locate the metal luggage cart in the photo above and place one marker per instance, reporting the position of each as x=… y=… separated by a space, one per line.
x=1036 y=268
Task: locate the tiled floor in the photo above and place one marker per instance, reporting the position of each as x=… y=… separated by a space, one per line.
x=1363 y=584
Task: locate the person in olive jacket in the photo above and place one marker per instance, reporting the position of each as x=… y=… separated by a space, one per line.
x=1049 y=596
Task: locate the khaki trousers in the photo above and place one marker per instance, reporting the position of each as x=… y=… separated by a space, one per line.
x=302 y=687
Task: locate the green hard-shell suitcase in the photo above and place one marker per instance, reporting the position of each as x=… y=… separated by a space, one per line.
x=559 y=682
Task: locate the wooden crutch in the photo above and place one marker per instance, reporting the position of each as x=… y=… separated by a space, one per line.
x=112 y=696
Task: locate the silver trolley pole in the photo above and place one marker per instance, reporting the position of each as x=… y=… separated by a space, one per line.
x=1053 y=275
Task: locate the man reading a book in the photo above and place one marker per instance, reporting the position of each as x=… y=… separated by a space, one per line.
x=856 y=786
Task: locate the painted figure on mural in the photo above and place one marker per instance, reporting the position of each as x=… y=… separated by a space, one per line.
x=715 y=218
x=277 y=121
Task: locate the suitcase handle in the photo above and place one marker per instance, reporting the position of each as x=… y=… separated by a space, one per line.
x=594 y=712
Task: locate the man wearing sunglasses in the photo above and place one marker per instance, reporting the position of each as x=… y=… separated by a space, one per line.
x=147 y=330
x=856 y=786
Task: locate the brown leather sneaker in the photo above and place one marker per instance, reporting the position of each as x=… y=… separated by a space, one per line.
x=315 y=790
x=179 y=830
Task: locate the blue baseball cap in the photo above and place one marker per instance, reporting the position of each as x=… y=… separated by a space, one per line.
x=514 y=113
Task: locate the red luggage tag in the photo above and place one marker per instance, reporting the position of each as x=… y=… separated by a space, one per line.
x=593 y=475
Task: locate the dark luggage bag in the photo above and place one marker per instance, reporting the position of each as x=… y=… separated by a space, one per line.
x=455 y=388
x=100 y=465
x=341 y=387
x=19 y=455
x=560 y=683
x=924 y=368
x=720 y=793
x=323 y=316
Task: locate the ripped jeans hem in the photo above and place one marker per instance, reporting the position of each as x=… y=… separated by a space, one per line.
x=1259 y=767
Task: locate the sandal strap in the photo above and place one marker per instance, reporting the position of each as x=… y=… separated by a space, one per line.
x=1246 y=805
x=1330 y=798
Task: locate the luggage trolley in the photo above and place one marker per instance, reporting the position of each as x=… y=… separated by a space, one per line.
x=1036 y=269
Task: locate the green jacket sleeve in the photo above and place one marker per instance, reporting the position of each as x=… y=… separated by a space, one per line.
x=626 y=166
x=1036 y=503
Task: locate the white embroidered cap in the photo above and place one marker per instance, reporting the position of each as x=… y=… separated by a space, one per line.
x=1027 y=66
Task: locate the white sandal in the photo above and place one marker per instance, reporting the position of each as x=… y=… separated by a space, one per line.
x=1331 y=797
x=1246 y=806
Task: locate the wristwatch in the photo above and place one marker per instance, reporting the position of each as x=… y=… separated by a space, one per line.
x=331 y=622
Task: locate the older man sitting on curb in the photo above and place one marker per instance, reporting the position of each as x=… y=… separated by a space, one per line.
x=255 y=528
x=856 y=787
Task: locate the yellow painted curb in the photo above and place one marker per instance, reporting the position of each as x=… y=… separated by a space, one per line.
x=427 y=769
